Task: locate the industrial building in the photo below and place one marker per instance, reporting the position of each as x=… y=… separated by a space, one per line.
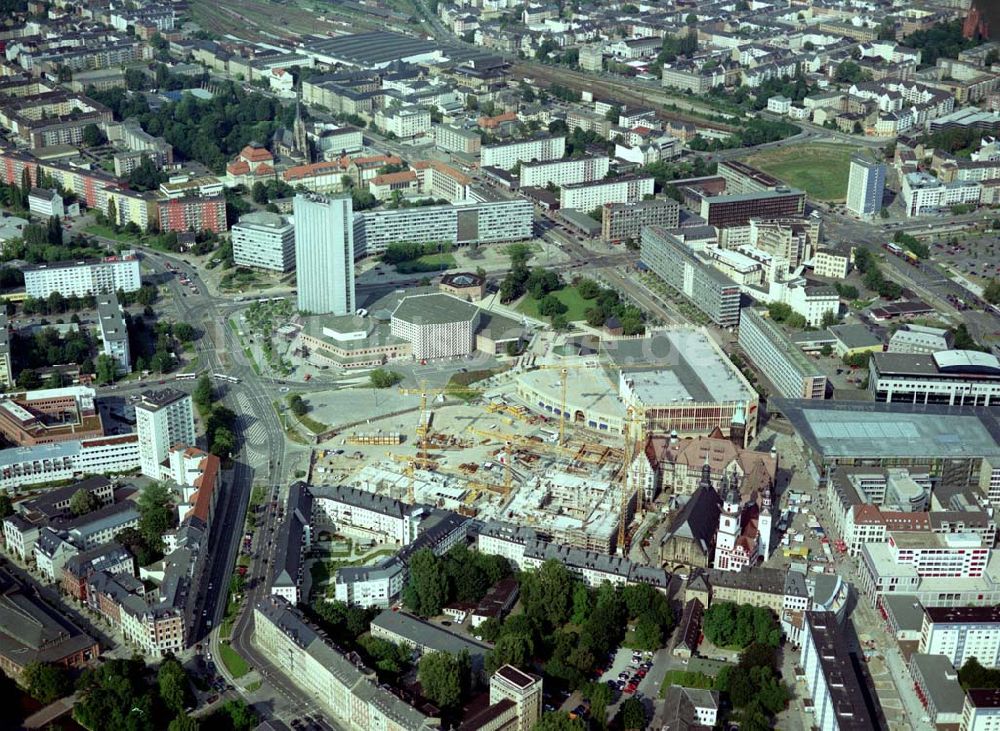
x=683 y=270
x=960 y=377
x=785 y=366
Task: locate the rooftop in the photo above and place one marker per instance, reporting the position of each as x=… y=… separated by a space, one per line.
x=964 y=615
x=434 y=309
x=861 y=429
x=850 y=702
x=940 y=682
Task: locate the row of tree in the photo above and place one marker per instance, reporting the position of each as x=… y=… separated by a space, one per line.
x=872 y=275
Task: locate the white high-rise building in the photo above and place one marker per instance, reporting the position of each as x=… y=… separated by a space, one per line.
x=264 y=240
x=162 y=418
x=865 y=187
x=324 y=254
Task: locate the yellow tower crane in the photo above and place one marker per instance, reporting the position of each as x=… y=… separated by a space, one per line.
x=412 y=462
x=424 y=423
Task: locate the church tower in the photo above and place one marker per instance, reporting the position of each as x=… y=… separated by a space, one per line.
x=729 y=524
x=300 y=140
x=764 y=523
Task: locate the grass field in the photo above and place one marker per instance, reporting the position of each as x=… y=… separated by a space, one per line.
x=569 y=296
x=427 y=263
x=820 y=170
x=233 y=661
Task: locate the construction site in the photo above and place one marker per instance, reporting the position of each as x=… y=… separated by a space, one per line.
x=494 y=451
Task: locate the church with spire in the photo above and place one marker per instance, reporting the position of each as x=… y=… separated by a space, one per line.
x=744 y=532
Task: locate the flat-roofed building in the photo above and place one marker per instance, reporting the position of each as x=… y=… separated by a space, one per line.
x=114 y=333
x=920 y=339
x=264 y=240
x=437 y=325
x=960 y=377
x=591 y=195
x=839 y=701
x=961 y=633
x=683 y=270
x=564 y=172
x=727 y=210
x=83 y=278
x=625 y=221
x=778 y=358
x=506 y=155
x=6 y=371
x=456 y=139
x=936 y=683
x=406 y=629
x=981 y=711
x=742 y=178
x=163 y=418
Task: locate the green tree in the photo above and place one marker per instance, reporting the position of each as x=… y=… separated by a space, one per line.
x=600 y=697
x=183 y=722
x=427 y=589
x=155 y=512
x=184 y=332
x=440 y=676
x=6 y=506
x=241 y=716
x=92 y=136
x=559 y=721
x=382 y=378
x=546 y=593
x=46 y=682
x=830 y=317
x=172 y=682
x=105 y=369
x=991 y=292
x=550 y=306
x=297 y=405
x=83 y=502
x=202 y=395
x=691 y=19
x=632 y=715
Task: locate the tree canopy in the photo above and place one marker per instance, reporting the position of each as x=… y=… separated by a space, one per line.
x=737 y=625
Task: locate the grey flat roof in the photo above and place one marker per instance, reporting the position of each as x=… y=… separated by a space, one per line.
x=906 y=609
x=940 y=682
x=427 y=635
x=373 y=48
x=860 y=429
x=855 y=336
x=434 y=309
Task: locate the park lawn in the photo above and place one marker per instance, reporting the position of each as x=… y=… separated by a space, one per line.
x=427 y=263
x=106 y=232
x=576 y=305
x=686 y=679
x=234 y=662
x=821 y=170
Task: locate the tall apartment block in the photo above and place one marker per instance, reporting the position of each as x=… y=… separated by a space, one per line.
x=194 y=213
x=505 y=156
x=778 y=358
x=83 y=278
x=264 y=240
x=706 y=287
x=588 y=196
x=114 y=334
x=622 y=221
x=324 y=254
x=564 y=172
x=162 y=419
x=865 y=187
x=6 y=374
x=456 y=139
x=459 y=224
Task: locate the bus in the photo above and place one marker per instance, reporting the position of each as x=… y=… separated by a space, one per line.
x=224 y=377
x=185 y=376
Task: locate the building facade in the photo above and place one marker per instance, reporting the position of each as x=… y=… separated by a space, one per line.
x=505 y=156
x=961 y=633
x=588 y=196
x=324 y=254
x=163 y=418
x=83 y=278
x=865 y=187
x=264 y=240
x=624 y=221
x=778 y=358
x=955 y=377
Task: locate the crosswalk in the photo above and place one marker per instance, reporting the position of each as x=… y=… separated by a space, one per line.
x=254 y=432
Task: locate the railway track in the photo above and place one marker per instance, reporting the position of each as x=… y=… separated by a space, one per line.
x=618 y=92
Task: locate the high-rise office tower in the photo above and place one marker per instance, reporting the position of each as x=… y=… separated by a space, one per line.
x=865 y=187
x=324 y=254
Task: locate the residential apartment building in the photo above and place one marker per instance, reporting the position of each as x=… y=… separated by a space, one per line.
x=194 y=214
x=405 y=123
x=785 y=366
x=456 y=139
x=459 y=224
x=83 y=278
x=564 y=172
x=838 y=701
x=6 y=372
x=163 y=418
x=114 y=333
x=961 y=633
x=264 y=240
x=923 y=193
x=46 y=203
x=831 y=264
x=324 y=254
x=742 y=178
x=365 y=515
x=680 y=267
x=588 y=196
x=962 y=377
x=865 y=187
x=625 y=221
x=506 y=155
x=981 y=711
